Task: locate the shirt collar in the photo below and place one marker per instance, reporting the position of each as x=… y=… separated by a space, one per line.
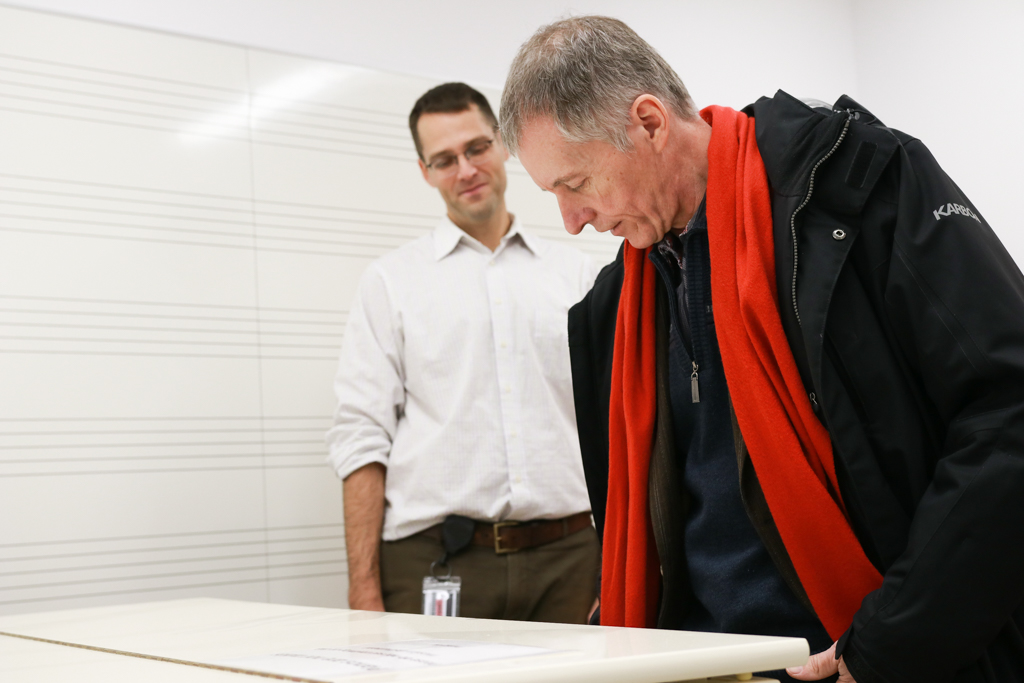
x=529 y=241
x=447 y=236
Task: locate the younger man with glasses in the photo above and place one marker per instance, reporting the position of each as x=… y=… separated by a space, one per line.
x=455 y=397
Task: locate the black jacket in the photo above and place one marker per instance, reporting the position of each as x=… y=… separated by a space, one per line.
x=906 y=317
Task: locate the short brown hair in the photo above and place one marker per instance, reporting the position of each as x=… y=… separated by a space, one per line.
x=448 y=98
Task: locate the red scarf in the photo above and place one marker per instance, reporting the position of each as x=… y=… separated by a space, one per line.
x=790 y=449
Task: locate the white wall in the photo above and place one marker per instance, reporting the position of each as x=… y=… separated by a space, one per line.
x=947 y=71
x=952 y=74
x=728 y=52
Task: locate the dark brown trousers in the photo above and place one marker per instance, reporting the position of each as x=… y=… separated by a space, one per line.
x=556 y=582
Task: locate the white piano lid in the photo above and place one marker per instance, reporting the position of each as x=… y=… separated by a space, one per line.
x=211 y=630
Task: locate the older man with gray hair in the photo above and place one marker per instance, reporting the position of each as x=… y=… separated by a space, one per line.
x=800 y=386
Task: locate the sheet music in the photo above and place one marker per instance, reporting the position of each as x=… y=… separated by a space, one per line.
x=340 y=662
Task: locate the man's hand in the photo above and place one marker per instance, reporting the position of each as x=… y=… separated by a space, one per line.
x=822 y=665
x=593 y=608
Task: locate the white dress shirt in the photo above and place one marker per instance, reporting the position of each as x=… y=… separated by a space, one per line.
x=454 y=374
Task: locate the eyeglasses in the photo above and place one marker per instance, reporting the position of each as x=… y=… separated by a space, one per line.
x=448 y=164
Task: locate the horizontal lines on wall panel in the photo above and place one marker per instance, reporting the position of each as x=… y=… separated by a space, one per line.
x=335 y=230
x=79 y=447
x=93 y=210
x=45 y=206
x=38 y=324
x=85 y=568
x=195 y=112
x=308 y=124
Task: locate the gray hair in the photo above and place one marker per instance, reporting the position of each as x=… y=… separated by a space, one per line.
x=585 y=73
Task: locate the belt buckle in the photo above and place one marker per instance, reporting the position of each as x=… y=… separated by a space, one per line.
x=498 y=550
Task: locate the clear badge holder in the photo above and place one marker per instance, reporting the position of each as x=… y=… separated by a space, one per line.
x=441 y=593
x=441 y=596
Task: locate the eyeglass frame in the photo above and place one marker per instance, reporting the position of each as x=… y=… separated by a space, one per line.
x=474 y=158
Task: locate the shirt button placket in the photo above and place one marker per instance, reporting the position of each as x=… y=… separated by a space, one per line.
x=503 y=326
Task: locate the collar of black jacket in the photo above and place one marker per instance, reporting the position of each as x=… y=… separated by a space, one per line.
x=793 y=138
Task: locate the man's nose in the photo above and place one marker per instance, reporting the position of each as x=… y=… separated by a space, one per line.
x=575 y=217
x=466 y=168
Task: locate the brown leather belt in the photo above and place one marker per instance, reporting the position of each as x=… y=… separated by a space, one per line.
x=510 y=537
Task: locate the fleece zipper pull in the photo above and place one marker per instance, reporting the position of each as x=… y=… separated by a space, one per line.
x=694 y=387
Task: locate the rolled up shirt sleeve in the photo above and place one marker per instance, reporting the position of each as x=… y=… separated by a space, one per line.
x=370 y=380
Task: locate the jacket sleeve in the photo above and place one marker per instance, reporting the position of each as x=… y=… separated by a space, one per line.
x=955 y=299
x=591 y=344
x=370 y=383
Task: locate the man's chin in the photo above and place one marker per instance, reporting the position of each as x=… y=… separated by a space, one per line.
x=639 y=241
x=641 y=236
x=477 y=212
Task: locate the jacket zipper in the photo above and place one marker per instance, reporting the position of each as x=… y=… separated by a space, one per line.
x=807 y=199
x=694 y=387
x=697 y=270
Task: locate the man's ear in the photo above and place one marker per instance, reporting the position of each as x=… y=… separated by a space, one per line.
x=500 y=143
x=651 y=116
